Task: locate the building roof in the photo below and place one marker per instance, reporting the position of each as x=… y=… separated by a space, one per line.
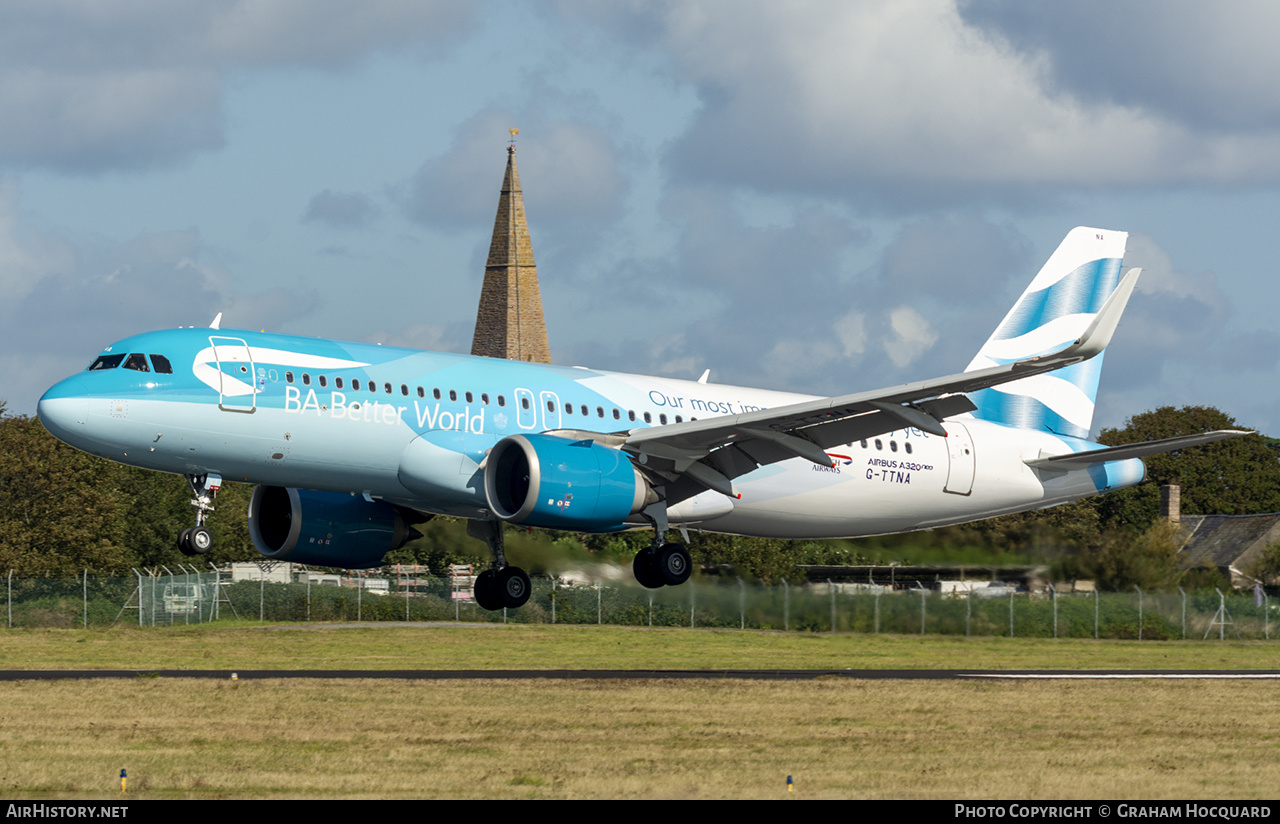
x=1223 y=540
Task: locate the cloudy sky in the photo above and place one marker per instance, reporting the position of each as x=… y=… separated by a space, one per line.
x=816 y=196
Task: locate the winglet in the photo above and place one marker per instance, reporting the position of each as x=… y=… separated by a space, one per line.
x=1098 y=336
x=217 y=322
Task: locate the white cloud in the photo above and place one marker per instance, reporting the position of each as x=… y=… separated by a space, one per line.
x=911 y=337
x=904 y=101
x=851 y=331
x=134 y=83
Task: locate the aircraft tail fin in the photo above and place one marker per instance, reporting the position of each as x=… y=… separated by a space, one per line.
x=1061 y=303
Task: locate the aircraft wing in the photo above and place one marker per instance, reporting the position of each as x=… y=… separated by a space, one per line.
x=714 y=451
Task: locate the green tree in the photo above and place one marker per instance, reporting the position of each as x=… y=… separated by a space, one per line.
x=61 y=510
x=1147 y=559
x=1239 y=476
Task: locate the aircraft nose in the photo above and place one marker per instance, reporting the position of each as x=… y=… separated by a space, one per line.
x=64 y=409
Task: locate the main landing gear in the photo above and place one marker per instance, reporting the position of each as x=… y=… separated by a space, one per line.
x=661 y=564
x=500 y=585
x=198 y=540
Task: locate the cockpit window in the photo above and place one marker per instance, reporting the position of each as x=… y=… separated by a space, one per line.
x=162 y=365
x=105 y=362
x=137 y=362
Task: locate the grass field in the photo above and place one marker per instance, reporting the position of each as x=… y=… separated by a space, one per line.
x=839 y=738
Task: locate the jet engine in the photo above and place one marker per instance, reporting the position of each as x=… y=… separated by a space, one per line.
x=324 y=528
x=558 y=483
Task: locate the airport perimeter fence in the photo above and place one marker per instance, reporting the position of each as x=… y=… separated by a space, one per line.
x=195 y=596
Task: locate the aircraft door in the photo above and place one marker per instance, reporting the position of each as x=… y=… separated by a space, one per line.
x=526 y=414
x=237 y=376
x=960 y=451
x=550 y=403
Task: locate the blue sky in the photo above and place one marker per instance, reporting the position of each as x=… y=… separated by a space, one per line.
x=814 y=196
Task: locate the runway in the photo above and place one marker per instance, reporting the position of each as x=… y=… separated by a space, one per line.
x=644 y=675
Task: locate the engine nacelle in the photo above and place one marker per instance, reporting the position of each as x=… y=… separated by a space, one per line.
x=323 y=528
x=558 y=483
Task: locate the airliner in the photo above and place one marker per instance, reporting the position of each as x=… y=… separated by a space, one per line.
x=351 y=443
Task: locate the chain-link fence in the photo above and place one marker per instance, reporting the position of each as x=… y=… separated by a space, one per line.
x=192 y=596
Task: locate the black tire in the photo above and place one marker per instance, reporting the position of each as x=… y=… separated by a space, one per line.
x=645 y=570
x=513 y=586
x=184 y=542
x=485 y=592
x=201 y=540
x=674 y=564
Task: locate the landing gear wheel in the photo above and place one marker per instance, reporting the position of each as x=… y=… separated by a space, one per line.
x=673 y=564
x=644 y=569
x=200 y=540
x=485 y=592
x=513 y=587
x=184 y=542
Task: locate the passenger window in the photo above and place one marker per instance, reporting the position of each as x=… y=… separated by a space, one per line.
x=907 y=446
x=161 y=364
x=422 y=393
x=568 y=409
x=893 y=446
x=662 y=419
x=288 y=377
x=551 y=407
x=306 y=379
x=323 y=381
x=679 y=419
x=137 y=363
x=584 y=410
x=648 y=418
x=387 y=387
x=404 y=390
x=484 y=398
x=600 y=411
x=337 y=382
x=453 y=394
x=469 y=396
x=879 y=444
x=617 y=416
x=435 y=393
x=502 y=401
x=106 y=362
x=524 y=403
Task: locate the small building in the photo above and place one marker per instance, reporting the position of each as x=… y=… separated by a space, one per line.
x=1228 y=543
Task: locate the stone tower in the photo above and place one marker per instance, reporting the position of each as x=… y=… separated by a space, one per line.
x=509 y=322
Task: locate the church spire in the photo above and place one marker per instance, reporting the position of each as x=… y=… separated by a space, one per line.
x=509 y=323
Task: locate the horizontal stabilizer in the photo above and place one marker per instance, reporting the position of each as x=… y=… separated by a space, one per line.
x=1077 y=460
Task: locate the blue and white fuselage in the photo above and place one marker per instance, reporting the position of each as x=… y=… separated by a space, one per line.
x=413 y=428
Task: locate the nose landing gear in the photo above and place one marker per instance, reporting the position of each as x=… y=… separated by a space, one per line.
x=198 y=540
